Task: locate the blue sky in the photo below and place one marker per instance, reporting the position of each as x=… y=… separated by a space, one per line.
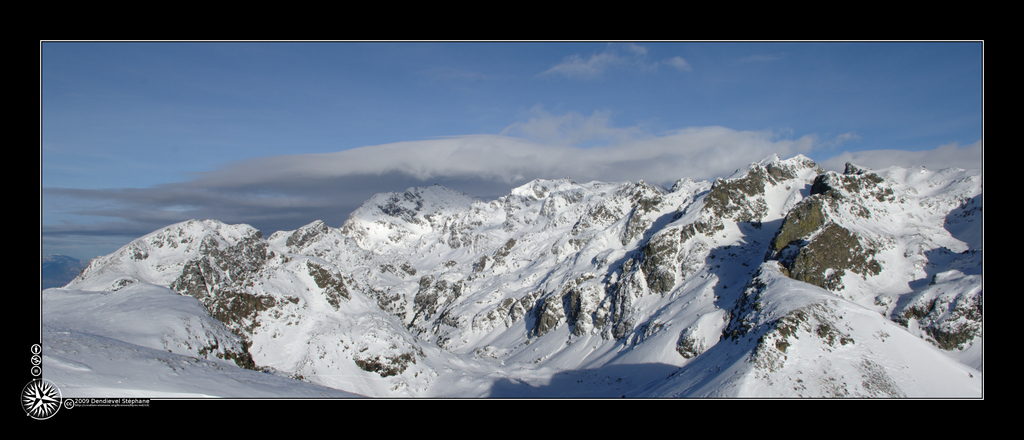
x=135 y=136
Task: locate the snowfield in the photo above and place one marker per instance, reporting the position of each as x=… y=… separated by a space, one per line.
x=145 y=341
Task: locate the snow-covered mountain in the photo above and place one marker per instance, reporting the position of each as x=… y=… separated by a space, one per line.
x=782 y=280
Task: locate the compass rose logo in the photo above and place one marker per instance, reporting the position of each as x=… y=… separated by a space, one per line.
x=40 y=399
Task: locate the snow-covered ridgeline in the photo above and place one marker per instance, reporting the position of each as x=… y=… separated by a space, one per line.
x=430 y=292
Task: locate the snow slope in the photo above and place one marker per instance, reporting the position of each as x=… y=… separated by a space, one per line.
x=149 y=341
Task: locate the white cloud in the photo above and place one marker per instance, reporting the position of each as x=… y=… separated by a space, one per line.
x=615 y=56
x=636 y=49
x=699 y=153
x=575 y=66
x=570 y=129
x=945 y=156
x=679 y=64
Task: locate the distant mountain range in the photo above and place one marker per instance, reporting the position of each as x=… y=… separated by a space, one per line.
x=782 y=280
x=58 y=270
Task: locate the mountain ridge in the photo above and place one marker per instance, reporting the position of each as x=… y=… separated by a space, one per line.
x=58 y=270
x=556 y=278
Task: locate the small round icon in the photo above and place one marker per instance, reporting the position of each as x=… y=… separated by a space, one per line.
x=36 y=348
x=36 y=360
x=40 y=399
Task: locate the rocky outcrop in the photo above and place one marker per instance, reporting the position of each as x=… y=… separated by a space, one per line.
x=949 y=311
x=507 y=312
x=659 y=261
x=853 y=183
x=824 y=256
x=739 y=199
x=307 y=234
x=332 y=282
x=576 y=304
x=801 y=223
x=644 y=199
x=432 y=296
x=812 y=244
x=550 y=312
x=218 y=278
x=385 y=365
x=742 y=199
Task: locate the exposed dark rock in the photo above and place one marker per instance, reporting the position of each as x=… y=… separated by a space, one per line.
x=307 y=234
x=616 y=310
x=404 y=206
x=433 y=295
x=218 y=278
x=567 y=305
x=597 y=216
x=549 y=313
x=688 y=346
x=861 y=184
x=385 y=365
x=482 y=264
x=241 y=357
x=853 y=169
x=802 y=221
x=743 y=314
x=740 y=199
x=732 y=198
x=828 y=255
x=644 y=199
x=659 y=261
x=951 y=322
x=574 y=297
x=504 y=251
x=709 y=227
x=238 y=309
x=816 y=250
x=508 y=312
x=332 y=283
x=136 y=252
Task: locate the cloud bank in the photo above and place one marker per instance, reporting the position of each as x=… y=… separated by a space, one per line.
x=951 y=155
x=286 y=192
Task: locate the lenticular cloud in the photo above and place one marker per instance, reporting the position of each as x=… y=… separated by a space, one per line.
x=698 y=153
x=284 y=192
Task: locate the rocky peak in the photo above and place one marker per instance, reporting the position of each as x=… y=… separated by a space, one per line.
x=853 y=169
x=742 y=197
x=814 y=246
x=539 y=189
x=392 y=218
x=145 y=259
x=732 y=198
x=307 y=234
x=855 y=182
